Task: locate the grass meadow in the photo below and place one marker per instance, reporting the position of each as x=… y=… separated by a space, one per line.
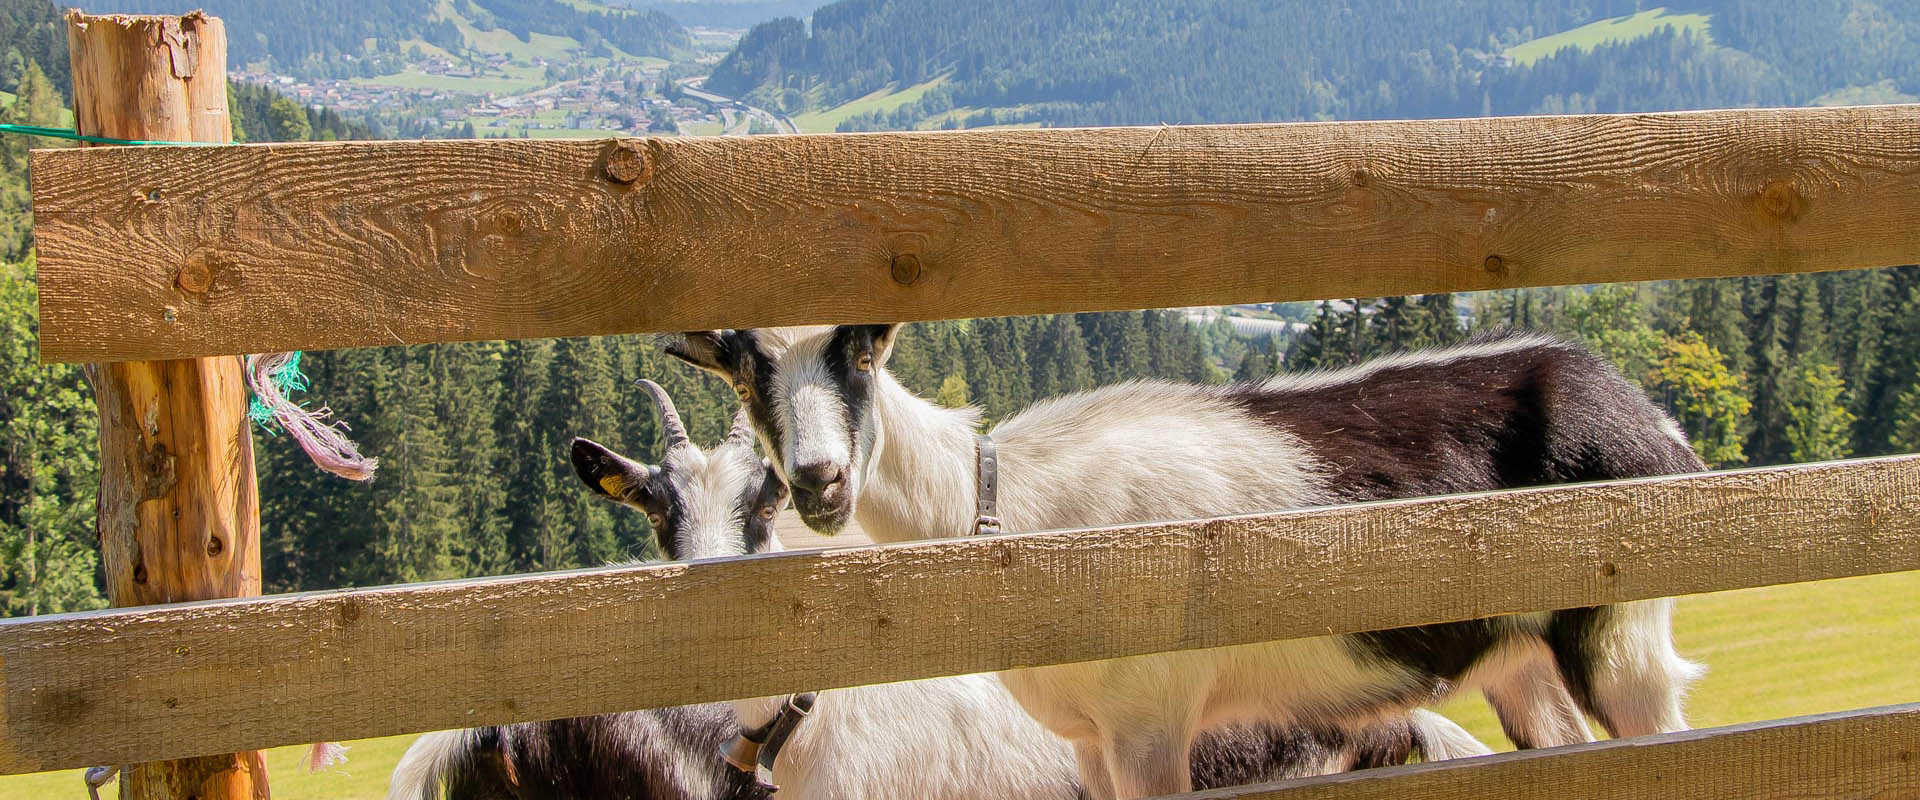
x=1616 y=29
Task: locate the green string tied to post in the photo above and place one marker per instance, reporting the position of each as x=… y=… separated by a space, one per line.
x=273 y=377
x=69 y=133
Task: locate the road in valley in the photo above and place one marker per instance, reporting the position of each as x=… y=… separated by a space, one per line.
x=731 y=125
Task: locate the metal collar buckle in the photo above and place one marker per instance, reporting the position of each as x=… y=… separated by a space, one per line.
x=753 y=751
x=986 y=485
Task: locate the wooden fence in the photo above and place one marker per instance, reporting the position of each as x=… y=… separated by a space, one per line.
x=193 y=252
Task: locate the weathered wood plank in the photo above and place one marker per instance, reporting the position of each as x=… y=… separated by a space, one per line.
x=323 y=245
x=130 y=684
x=1857 y=755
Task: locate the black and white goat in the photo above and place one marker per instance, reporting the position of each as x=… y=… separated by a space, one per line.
x=941 y=739
x=1500 y=412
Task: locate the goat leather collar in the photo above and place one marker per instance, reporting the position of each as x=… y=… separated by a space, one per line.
x=753 y=751
x=987 y=484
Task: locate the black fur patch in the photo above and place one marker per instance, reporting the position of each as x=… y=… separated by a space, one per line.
x=1570 y=635
x=765 y=492
x=1244 y=754
x=1442 y=652
x=1533 y=415
x=609 y=756
x=842 y=353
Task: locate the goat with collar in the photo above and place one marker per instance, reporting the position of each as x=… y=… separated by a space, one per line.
x=1500 y=412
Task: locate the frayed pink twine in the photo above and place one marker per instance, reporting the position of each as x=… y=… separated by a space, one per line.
x=325 y=755
x=273 y=376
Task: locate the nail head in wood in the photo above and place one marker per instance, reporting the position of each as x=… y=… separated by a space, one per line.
x=626 y=164
x=1495 y=264
x=906 y=269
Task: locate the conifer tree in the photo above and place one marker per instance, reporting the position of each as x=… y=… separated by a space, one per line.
x=1819 y=426
x=48 y=451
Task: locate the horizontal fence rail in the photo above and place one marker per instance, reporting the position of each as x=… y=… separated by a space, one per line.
x=1857 y=755
x=164 y=682
x=170 y=252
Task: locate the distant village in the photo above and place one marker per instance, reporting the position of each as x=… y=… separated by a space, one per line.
x=626 y=98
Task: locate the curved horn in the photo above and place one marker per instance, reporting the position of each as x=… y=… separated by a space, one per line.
x=742 y=431
x=671 y=429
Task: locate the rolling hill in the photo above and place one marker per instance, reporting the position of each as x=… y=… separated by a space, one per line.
x=1072 y=62
x=368 y=38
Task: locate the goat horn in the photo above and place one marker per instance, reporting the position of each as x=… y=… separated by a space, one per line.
x=671 y=428
x=742 y=432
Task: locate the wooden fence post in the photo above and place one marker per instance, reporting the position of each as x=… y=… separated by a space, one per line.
x=179 y=509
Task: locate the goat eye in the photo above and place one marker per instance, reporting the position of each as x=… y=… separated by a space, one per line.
x=655 y=520
x=766 y=512
x=865 y=364
x=740 y=389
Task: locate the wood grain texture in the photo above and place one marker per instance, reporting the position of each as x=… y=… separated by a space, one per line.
x=141 y=683
x=321 y=245
x=179 y=507
x=1858 y=755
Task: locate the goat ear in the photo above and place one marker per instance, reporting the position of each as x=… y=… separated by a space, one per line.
x=607 y=473
x=773 y=477
x=883 y=342
x=704 y=349
x=882 y=338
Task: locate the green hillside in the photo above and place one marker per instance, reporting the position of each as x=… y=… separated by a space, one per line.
x=1088 y=62
x=880 y=101
x=369 y=38
x=1612 y=31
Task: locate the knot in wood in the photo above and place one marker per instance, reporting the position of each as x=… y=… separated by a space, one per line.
x=195 y=276
x=1781 y=201
x=1362 y=178
x=905 y=269
x=214 y=547
x=349 y=611
x=1609 y=569
x=625 y=163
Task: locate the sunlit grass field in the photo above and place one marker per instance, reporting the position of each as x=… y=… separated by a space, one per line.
x=1607 y=31
x=1773 y=652
x=885 y=100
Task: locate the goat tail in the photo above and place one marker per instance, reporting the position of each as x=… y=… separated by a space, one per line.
x=1438 y=738
x=418 y=775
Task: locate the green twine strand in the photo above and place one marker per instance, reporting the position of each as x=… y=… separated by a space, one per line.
x=288 y=379
x=69 y=133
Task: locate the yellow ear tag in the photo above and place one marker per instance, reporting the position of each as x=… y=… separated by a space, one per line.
x=613 y=485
